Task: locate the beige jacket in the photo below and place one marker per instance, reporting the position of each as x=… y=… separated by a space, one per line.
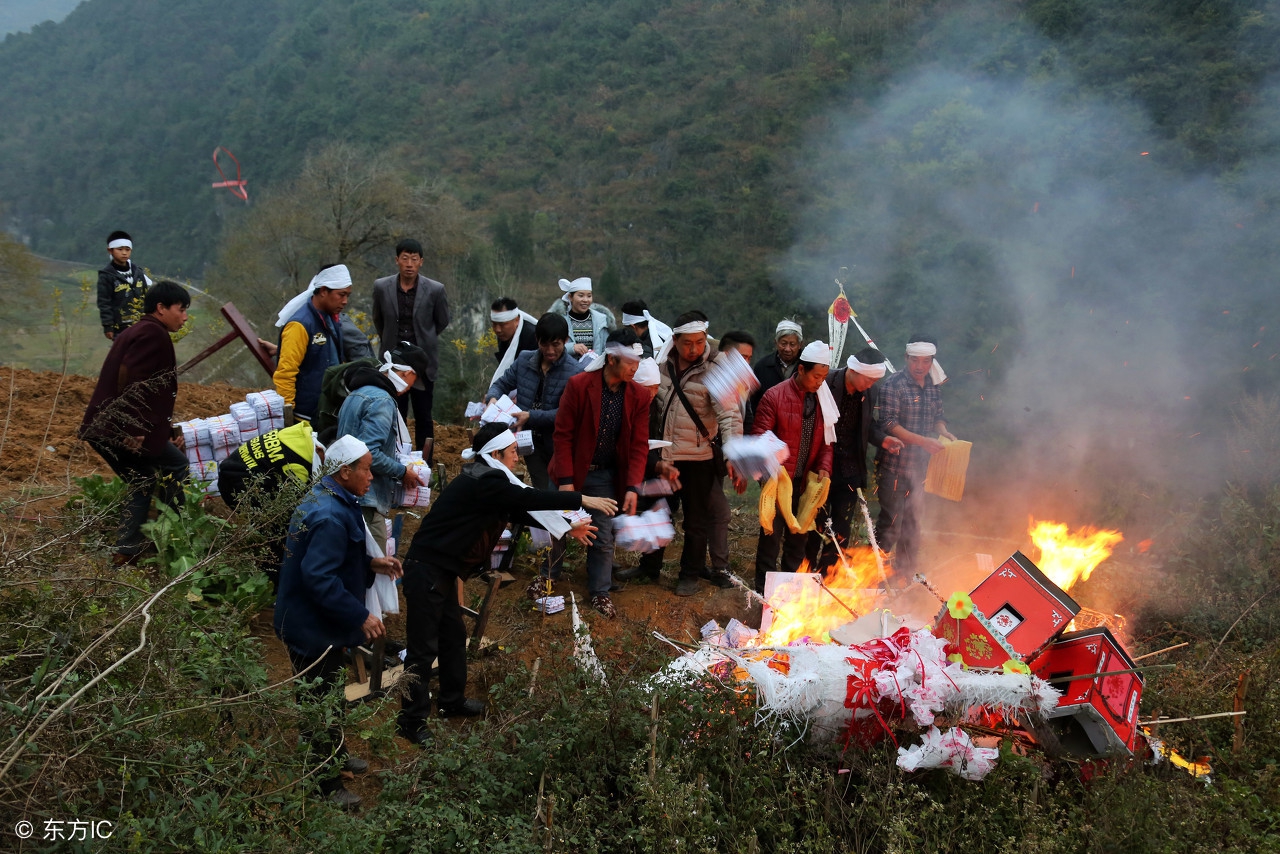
x=677 y=427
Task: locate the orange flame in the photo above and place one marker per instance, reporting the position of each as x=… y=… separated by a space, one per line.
x=1070 y=557
x=802 y=608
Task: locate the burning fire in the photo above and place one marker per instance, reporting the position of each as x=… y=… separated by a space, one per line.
x=1070 y=557
x=810 y=604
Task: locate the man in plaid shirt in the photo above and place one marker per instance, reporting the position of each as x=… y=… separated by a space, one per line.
x=911 y=410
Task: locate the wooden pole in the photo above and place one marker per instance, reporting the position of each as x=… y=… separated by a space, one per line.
x=1242 y=689
x=1192 y=718
x=1162 y=651
x=653 y=737
x=1110 y=673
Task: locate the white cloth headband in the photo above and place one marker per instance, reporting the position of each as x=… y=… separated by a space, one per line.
x=635 y=319
x=647 y=373
x=503 y=316
x=923 y=348
x=634 y=353
x=500 y=442
x=787 y=327
x=389 y=368
x=120 y=243
x=691 y=327
x=581 y=284
x=334 y=278
x=876 y=370
x=344 y=452
x=816 y=353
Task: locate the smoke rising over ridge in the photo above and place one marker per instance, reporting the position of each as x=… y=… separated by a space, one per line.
x=1098 y=305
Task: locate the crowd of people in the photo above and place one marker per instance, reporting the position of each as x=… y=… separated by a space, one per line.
x=612 y=409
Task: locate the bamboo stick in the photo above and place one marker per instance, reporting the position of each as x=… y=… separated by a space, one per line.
x=1192 y=718
x=1162 y=651
x=1111 y=673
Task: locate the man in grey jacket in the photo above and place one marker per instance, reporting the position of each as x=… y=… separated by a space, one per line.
x=410 y=308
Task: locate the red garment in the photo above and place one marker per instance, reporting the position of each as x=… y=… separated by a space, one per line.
x=782 y=411
x=578 y=422
x=143 y=405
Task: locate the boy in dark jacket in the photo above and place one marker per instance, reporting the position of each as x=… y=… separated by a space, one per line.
x=121 y=285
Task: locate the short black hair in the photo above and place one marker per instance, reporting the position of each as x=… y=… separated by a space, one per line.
x=635 y=306
x=738 y=337
x=485 y=434
x=165 y=293
x=551 y=327
x=690 y=317
x=625 y=336
x=809 y=366
x=409 y=245
x=327 y=435
x=923 y=339
x=119 y=235
x=503 y=304
x=869 y=356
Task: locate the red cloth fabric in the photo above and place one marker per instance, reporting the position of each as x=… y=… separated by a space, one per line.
x=578 y=422
x=143 y=404
x=782 y=411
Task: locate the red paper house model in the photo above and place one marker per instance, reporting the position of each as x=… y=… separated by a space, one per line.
x=1098 y=714
x=1021 y=610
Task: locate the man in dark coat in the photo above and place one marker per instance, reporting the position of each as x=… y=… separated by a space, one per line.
x=128 y=421
x=410 y=308
x=121 y=285
x=320 y=606
x=854 y=389
x=455 y=541
x=780 y=365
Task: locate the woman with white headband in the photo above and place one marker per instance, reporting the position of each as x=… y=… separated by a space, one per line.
x=121 y=286
x=589 y=322
x=910 y=410
x=370 y=414
x=779 y=365
x=455 y=541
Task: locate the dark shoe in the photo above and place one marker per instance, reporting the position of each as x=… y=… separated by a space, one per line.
x=720 y=578
x=538 y=587
x=604 y=605
x=417 y=734
x=355 y=765
x=617 y=586
x=687 y=586
x=635 y=573
x=344 y=797
x=466 y=709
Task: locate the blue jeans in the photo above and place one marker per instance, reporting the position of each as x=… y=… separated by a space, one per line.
x=599 y=484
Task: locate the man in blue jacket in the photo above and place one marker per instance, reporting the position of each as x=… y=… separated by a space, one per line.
x=320 y=604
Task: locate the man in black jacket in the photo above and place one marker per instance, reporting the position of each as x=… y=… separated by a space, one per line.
x=121 y=285
x=779 y=365
x=454 y=542
x=853 y=388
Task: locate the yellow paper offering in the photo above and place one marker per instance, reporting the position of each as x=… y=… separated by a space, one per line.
x=947 y=469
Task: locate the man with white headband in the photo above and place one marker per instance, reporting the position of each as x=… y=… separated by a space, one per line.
x=780 y=365
x=121 y=285
x=856 y=395
x=696 y=424
x=454 y=542
x=589 y=322
x=410 y=308
x=311 y=338
x=320 y=606
x=910 y=410
x=514 y=330
x=369 y=413
x=800 y=412
x=653 y=333
x=601 y=441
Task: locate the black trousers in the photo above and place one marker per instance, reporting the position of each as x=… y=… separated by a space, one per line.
x=143 y=473
x=433 y=631
x=901 y=497
x=326 y=742
x=423 y=427
x=697 y=477
x=254 y=492
x=842 y=504
x=795 y=548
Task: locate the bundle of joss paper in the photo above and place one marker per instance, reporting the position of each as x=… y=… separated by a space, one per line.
x=757 y=457
x=501 y=411
x=730 y=379
x=418 y=496
x=209 y=441
x=644 y=532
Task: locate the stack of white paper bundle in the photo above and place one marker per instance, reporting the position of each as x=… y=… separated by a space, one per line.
x=268 y=406
x=224 y=435
x=644 y=532
x=500 y=550
x=246 y=420
x=730 y=379
x=757 y=457
x=503 y=411
x=418 y=496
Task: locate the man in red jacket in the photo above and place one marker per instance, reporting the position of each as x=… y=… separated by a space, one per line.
x=128 y=419
x=794 y=412
x=601 y=443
